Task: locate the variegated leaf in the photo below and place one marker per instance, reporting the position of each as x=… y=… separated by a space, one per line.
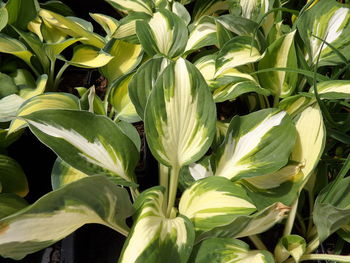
x=127 y=56
x=109 y=24
x=209 y=7
x=203 y=34
x=214 y=202
x=206 y=66
x=120 y=100
x=291 y=245
x=180 y=115
x=15 y=47
x=164 y=34
x=256 y=144
x=90 y=143
x=143 y=82
x=180 y=11
x=12 y=177
x=238 y=25
x=28 y=92
x=9 y=106
x=334 y=89
x=57 y=214
x=236 y=52
x=154 y=237
x=10 y=204
x=280 y=54
x=41 y=102
x=52 y=50
x=3 y=16
x=228 y=250
x=85 y=56
x=329 y=21
x=311 y=137
x=62 y=174
x=251 y=9
x=129 y=6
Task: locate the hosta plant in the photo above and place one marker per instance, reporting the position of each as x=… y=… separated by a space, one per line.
x=238 y=100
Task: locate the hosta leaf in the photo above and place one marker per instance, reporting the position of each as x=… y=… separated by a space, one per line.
x=129 y=130
x=203 y=34
x=128 y=6
x=10 y=204
x=256 y=144
x=164 y=34
x=236 y=52
x=143 y=82
x=180 y=115
x=9 y=106
x=23 y=79
x=311 y=136
x=223 y=35
x=13 y=46
x=126 y=58
x=20 y=12
x=62 y=174
x=90 y=143
x=3 y=17
x=109 y=24
x=329 y=21
x=181 y=12
x=208 y=7
x=224 y=250
x=42 y=102
x=238 y=25
x=206 y=66
x=214 y=202
x=8 y=86
x=251 y=9
x=120 y=100
x=233 y=83
x=291 y=245
x=85 y=56
x=12 y=177
x=334 y=89
x=57 y=214
x=54 y=49
x=154 y=237
x=280 y=54
x=72 y=28
x=40 y=86
x=90 y=101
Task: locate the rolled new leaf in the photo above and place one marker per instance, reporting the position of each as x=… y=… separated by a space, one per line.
x=291 y=245
x=213 y=202
x=256 y=144
x=90 y=143
x=57 y=214
x=154 y=237
x=224 y=250
x=180 y=115
x=164 y=34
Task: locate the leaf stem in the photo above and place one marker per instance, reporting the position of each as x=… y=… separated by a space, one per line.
x=257 y=242
x=336 y=258
x=59 y=75
x=174 y=176
x=164 y=181
x=290 y=221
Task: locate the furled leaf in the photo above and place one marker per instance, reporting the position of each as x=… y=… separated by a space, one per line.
x=164 y=34
x=13 y=46
x=90 y=143
x=236 y=52
x=129 y=6
x=62 y=174
x=12 y=177
x=90 y=101
x=208 y=7
x=57 y=214
x=154 y=237
x=291 y=245
x=180 y=115
x=256 y=144
x=127 y=56
x=42 y=102
x=329 y=21
x=10 y=204
x=280 y=54
x=143 y=82
x=213 y=202
x=120 y=100
x=224 y=250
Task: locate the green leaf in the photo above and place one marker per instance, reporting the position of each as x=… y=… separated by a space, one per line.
x=208 y=7
x=10 y=204
x=180 y=115
x=238 y=25
x=85 y=56
x=236 y=52
x=181 y=12
x=8 y=86
x=57 y=214
x=291 y=245
x=165 y=34
x=90 y=143
x=9 y=106
x=3 y=17
x=120 y=100
x=154 y=237
x=256 y=144
x=143 y=82
x=213 y=202
x=63 y=174
x=127 y=56
x=327 y=20
x=52 y=50
x=12 y=177
x=130 y=131
x=129 y=6
x=109 y=24
x=43 y=102
x=89 y=101
x=280 y=54
x=203 y=34
x=224 y=250
x=20 y=12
